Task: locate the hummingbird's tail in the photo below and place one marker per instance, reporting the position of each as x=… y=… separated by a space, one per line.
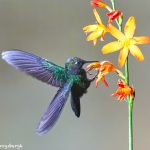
x=54 y=110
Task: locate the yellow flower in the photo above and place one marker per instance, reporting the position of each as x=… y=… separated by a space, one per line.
x=126 y=42
x=96 y=30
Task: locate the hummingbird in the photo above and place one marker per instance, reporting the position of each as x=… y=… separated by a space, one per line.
x=71 y=79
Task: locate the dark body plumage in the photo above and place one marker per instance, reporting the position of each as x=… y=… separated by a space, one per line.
x=72 y=79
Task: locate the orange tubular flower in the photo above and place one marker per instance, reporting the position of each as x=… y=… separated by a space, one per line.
x=103 y=68
x=126 y=42
x=123 y=91
x=113 y=15
x=99 y=3
x=97 y=29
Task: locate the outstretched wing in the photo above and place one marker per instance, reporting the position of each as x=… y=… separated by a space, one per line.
x=35 y=66
x=54 y=109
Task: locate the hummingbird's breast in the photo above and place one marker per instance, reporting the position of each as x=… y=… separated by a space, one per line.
x=81 y=82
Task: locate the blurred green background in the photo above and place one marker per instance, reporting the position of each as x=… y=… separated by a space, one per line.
x=53 y=29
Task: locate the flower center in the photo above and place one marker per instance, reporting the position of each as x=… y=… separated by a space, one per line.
x=127 y=42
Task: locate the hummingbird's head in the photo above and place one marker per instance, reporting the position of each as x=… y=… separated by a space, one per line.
x=74 y=64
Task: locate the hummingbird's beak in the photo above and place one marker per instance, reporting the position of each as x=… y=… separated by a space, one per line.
x=86 y=62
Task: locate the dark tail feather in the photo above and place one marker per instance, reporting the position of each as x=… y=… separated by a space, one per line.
x=75 y=105
x=54 y=110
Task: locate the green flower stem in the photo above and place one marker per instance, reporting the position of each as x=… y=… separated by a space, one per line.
x=113 y=4
x=120 y=74
x=130 y=108
x=129 y=98
x=127 y=72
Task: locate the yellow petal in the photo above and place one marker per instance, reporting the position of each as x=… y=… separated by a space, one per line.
x=123 y=56
x=90 y=28
x=130 y=27
x=112 y=47
x=101 y=4
x=98 y=19
x=94 y=35
x=142 y=40
x=116 y=33
x=136 y=52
